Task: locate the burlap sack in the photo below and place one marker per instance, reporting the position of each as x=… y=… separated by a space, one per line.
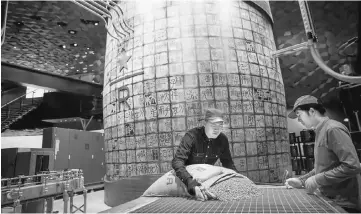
x=170 y=185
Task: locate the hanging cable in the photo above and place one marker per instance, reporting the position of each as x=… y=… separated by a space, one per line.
x=312 y=39
x=316 y=56
x=347 y=44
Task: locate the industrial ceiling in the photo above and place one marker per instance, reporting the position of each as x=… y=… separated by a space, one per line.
x=64 y=39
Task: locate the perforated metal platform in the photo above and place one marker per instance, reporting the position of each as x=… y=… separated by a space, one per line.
x=273 y=200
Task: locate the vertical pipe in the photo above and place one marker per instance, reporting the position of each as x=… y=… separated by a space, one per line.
x=65 y=199
x=85 y=199
x=358 y=120
x=358 y=60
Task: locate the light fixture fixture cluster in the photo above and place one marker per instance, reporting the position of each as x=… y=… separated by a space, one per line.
x=72 y=32
x=87 y=22
x=73 y=45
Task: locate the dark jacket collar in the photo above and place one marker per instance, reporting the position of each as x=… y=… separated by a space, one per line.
x=203 y=132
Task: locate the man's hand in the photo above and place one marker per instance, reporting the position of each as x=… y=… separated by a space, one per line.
x=203 y=194
x=294 y=182
x=311 y=184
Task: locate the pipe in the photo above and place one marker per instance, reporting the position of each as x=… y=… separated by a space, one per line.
x=120 y=18
x=305 y=16
x=358 y=58
x=107 y=14
x=106 y=23
x=3 y=29
x=121 y=11
x=316 y=56
x=357 y=120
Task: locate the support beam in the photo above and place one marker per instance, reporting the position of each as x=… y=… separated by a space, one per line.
x=30 y=76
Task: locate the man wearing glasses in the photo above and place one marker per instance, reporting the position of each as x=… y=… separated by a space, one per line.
x=202 y=145
x=337 y=168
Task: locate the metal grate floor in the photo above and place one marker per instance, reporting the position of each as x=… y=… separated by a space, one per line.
x=273 y=200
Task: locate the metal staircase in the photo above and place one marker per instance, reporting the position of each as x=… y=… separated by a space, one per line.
x=17 y=109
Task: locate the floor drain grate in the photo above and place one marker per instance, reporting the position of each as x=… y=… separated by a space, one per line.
x=273 y=200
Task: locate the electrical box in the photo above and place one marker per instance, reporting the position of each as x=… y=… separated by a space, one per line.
x=77 y=149
x=26 y=161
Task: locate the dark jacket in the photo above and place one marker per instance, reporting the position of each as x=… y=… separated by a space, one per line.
x=197 y=148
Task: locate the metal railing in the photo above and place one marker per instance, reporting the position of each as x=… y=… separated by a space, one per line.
x=16 y=105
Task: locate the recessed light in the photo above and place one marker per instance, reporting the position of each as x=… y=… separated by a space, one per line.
x=62 y=46
x=87 y=48
x=86 y=52
x=96 y=23
x=19 y=23
x=66 y=64
x=77 y=70
x=74 y=44
x=14 y=47
x=61 y=24
x=73 y=32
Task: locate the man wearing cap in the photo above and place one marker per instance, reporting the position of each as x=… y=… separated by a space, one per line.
x=337 y=168
x=202 y=145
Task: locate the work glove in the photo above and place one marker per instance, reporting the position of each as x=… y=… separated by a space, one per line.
x=311 y=184
x=293 y=182
x=203 y=194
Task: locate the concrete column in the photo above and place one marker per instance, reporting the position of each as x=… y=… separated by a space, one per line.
x=194 y=55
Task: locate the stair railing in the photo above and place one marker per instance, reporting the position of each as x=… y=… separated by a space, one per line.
x=14 y=101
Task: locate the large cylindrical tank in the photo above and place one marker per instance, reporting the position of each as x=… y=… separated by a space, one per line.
x=194 y=55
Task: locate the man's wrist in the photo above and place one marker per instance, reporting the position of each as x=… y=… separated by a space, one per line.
x=191 y=183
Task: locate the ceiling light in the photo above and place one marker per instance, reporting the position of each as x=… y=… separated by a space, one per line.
x=96 y=23
x=74 y=44
x=77 y=70
x=80 y=62
x=61 y=24
x=66 y=64
x=346 y=120
x=14 y=47
x=62 y=46
x=73 y=32
x=87 y=48
x=19 y=24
